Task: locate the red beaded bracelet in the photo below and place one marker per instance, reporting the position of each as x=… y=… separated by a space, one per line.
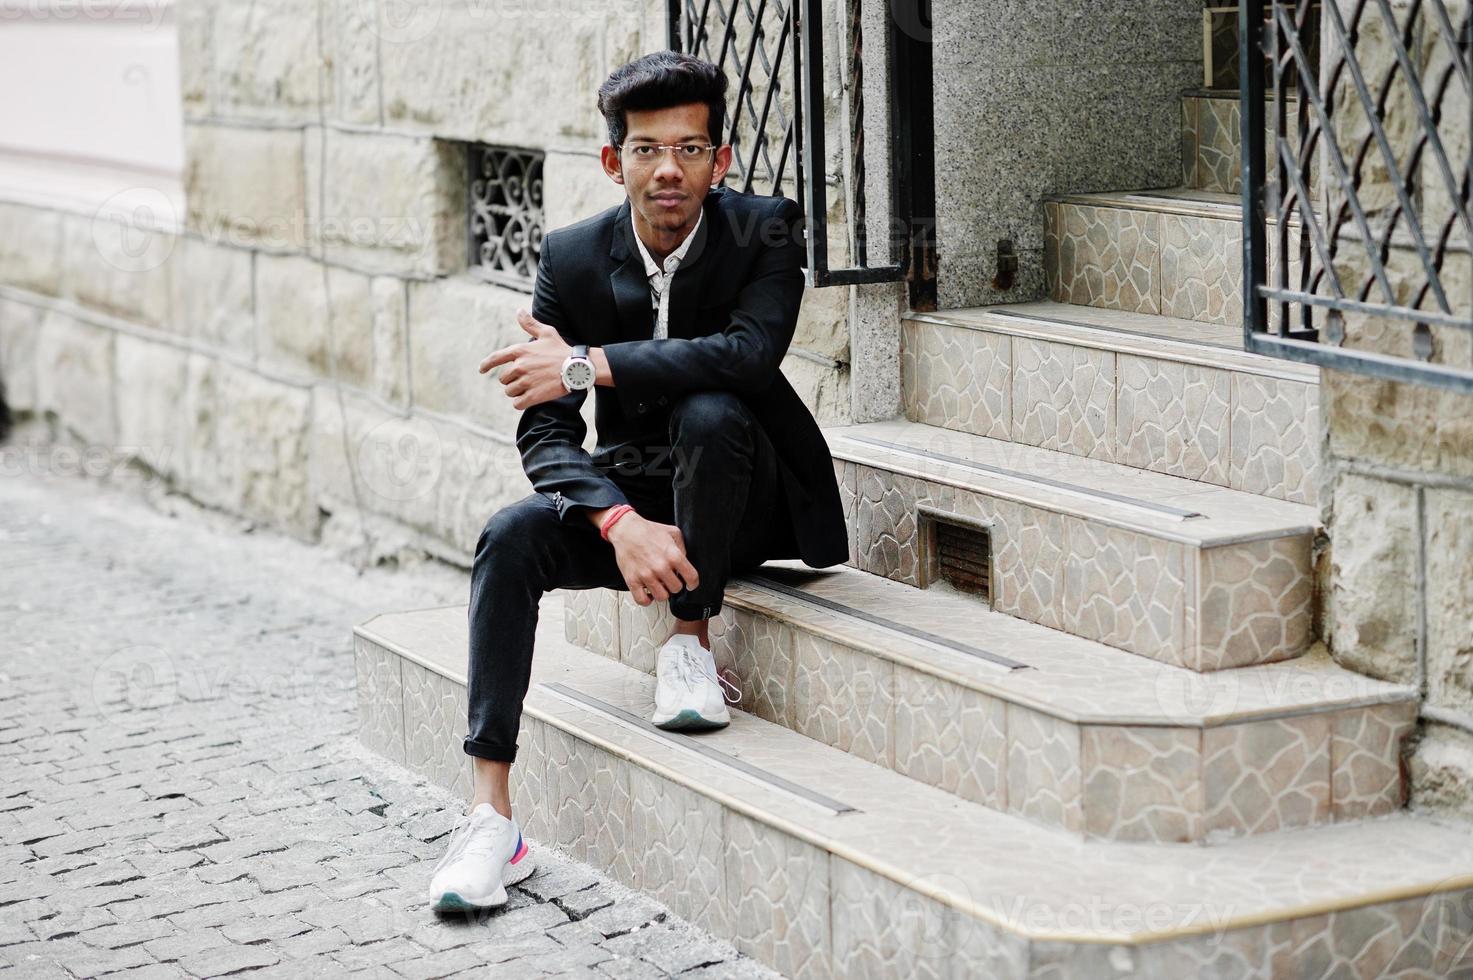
x=619 y=511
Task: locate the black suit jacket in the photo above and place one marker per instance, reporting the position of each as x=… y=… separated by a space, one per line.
x=733 y=309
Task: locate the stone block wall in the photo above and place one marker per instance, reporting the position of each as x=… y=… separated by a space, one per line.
x=1398 y=492
x=299 y=345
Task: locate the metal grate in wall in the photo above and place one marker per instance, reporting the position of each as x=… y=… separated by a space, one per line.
x=504 y=213
x=961 y=554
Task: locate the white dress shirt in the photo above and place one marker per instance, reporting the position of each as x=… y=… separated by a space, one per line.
x=660 y=278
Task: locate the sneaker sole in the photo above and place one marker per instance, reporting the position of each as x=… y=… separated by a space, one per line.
x=517 y=869
x=688 y=720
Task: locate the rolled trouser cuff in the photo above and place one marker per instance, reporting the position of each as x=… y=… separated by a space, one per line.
x=490 y=750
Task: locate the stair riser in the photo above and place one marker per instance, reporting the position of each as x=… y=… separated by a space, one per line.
x=1250 y=432
x=1167 y=784
x=794 y=905
x=1212 y=155
x=1146 y=261
x=1201 y=608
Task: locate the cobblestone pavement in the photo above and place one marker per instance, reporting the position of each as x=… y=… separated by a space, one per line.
x=181 y=793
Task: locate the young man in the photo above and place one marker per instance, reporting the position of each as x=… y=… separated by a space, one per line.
x=676 y=308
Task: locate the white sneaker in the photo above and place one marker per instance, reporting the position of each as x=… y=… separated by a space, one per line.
x=688 y=692
x=486 y=854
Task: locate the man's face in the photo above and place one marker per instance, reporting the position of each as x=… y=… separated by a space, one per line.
x=664 y=191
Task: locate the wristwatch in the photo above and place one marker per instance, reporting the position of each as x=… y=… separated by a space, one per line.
x=578 y=370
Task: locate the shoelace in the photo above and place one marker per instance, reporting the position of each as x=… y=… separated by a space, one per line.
x=463 y=841
x=688 y=667
x=458 y=835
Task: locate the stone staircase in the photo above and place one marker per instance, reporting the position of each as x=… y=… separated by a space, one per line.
x=1061 y=714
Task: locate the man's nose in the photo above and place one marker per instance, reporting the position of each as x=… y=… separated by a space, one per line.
x=669 y=168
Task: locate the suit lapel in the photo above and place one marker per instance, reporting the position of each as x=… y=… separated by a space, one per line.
x=631 y=287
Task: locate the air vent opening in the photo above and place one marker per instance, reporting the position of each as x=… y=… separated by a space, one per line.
x=958 y=551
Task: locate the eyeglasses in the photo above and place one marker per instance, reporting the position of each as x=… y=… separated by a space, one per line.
x=689 y=154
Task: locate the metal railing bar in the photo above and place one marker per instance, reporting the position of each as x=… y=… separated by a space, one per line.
x=1311 y=91
x=1391 y=311
x=1373 y=117
x=1429 y=135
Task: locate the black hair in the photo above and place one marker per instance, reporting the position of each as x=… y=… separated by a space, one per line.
x=660 y=80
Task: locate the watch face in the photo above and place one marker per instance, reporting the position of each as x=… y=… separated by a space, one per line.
x=578 y=374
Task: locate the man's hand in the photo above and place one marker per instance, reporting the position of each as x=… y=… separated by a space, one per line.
x=651 y=556
x=536 y=371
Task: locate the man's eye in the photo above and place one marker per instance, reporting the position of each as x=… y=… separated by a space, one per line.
x=692 y=150
x=644 y=151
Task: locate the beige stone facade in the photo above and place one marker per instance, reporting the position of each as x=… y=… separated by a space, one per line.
x=298 y=343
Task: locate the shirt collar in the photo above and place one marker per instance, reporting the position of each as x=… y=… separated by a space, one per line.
x=674 y=258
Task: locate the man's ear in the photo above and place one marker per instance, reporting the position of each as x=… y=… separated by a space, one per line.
x=723 y=164
x=609 y=157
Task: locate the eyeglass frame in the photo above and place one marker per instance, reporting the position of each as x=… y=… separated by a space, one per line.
x=710 y=149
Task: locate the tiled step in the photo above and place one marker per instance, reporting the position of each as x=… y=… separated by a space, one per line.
x=1212 y=154
x=1030 y=721
x=1175 y=252
x=823 y=865
x=1179 y=571
x=1159 y=393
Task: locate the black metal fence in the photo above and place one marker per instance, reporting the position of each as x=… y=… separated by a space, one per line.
x=776 y=120
x=1356 y=249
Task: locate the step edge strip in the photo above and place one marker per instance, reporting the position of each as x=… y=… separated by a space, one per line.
x=1400 y=694
x=629 y=721
x=1246 y=537
x=995 y=660
x=1107 y=496
x=1038 y=327
x=975 y=909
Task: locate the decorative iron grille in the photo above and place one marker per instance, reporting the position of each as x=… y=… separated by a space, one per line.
x=776 y=122
x=1368 y=266
x=504 y=228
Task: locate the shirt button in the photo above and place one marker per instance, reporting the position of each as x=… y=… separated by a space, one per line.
x=662 y=399
x=642 y=407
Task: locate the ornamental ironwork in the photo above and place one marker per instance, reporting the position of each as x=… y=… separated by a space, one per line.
x=504 y=226
x=1356 y=206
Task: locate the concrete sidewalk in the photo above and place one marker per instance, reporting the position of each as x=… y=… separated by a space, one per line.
x=181 y=793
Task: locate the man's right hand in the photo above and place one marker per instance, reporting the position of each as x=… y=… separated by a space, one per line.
x=651 y=556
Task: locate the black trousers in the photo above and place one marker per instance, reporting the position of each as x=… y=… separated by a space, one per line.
x=716 y=479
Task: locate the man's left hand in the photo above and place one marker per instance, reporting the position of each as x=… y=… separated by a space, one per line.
x=535 y=374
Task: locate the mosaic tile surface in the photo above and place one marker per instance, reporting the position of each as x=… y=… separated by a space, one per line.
x=953 y=379
x=435 y=719
x=591 y=620
x=676 y=849
x=1044 y=769
x=1127 y=590
x=380 y=700
x=1065 y=398
x=1173 y=418
x=1254 y=604
x=1101 y=256
x=1110 y=394
x=1201 y=269
x=1023 y=887
x=1365 y=756
x=779 y=898
x=1142 y=783
x=951 y=737
x=883 y=928
x=1268 y=775
x=1275 y=438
